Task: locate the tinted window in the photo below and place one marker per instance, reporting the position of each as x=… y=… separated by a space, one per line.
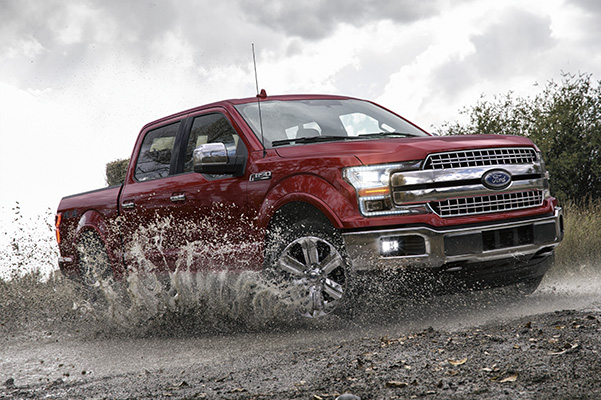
x=212 y=128
x=155 y=155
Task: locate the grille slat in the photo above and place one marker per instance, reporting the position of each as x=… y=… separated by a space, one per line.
x=488 y=204
x=481 y=157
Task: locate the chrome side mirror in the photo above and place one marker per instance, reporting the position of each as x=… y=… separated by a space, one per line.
x=212 y=158
x=210 y=154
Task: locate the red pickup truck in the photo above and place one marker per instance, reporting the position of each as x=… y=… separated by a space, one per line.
x=319 y=191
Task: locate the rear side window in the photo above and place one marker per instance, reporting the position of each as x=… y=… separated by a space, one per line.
x=154 y=159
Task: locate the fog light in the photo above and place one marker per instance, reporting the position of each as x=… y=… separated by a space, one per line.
x=400 y=246
x=390 y=246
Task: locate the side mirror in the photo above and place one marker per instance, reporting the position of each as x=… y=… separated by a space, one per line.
x=212 y=158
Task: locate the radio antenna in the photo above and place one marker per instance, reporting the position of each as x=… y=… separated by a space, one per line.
x=260 y=95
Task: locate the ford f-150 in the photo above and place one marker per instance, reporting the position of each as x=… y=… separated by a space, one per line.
x=318 y=190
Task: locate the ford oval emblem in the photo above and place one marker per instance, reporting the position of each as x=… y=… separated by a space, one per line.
x=496 y=179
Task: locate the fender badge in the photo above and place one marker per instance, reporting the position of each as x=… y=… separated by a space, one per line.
x=496 y=179
x=260 y=176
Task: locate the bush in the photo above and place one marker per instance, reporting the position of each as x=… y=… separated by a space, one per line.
x=115 y=172
x=564 y=120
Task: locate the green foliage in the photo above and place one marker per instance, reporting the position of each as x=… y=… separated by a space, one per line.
x=564 y=120
x=115 y=172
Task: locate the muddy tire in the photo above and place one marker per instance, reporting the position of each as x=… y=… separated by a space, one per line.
x=308 y=263
x=93 y=260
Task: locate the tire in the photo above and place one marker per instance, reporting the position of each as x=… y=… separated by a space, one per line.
x=309 y=264
x=93 y=260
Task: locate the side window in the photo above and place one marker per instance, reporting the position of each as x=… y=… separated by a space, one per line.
x=212 y=128
x=154 y=159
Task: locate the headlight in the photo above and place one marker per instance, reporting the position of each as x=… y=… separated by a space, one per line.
x=372 y=184
x=546 y=176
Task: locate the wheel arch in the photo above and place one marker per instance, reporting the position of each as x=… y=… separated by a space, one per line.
x=93 y=222
x=298 y=210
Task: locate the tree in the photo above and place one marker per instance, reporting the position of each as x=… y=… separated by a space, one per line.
x=564 y=121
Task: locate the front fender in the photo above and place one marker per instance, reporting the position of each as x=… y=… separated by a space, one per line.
x=310 y=189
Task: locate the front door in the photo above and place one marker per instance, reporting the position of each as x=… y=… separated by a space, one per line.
x=211 y=215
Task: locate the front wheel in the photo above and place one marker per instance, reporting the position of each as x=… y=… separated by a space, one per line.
x=310 y=266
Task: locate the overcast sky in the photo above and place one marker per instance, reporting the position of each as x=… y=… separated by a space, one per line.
x=78 y=79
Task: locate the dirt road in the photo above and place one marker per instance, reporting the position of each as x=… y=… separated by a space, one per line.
x=457 y=347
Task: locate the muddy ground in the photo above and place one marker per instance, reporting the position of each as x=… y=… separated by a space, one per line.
x=473 y=346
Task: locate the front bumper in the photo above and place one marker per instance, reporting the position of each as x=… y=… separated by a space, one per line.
x=453 y=249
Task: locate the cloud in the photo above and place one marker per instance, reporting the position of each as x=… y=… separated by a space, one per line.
x=507 y=48
x=316 y=19
x=591 y=6
x=588 y=32
x=56 y=42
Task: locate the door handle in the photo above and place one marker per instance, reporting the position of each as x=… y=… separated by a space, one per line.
x=178 y=197
x=128 y=205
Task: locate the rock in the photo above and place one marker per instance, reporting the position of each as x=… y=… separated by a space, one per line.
x=10 y=382
x=348 y=396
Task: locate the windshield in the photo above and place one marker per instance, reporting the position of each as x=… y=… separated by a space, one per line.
x=296 y=122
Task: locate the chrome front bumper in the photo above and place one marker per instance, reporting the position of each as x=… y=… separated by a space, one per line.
x=447 y=247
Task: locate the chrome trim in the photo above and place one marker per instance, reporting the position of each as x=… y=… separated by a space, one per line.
x=364 y=253
x=66 y=260
x=128 y=205
x=210 y=154
x=489 y=203
x=260 y=176
x=401 y=179
x=481 y=157
x=401 y=198
x=426 y=186
x=178 y=197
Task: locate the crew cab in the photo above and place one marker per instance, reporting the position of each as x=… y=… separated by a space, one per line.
x=318 y=191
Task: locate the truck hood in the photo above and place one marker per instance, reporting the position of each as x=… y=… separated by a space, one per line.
x=401 y=149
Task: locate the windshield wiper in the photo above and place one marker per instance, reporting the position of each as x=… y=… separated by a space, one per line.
x=310 y=139
x=389 y=134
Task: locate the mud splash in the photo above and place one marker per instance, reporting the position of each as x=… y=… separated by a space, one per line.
x=186 y=303
x=35 y=297
x=142 y=305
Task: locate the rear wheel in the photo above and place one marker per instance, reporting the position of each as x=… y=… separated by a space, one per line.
x=94 y=265
x=309 y=264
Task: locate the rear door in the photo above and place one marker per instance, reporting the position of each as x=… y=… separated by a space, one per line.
x=146 y=203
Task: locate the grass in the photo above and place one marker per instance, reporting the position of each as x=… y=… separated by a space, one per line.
x=580 y=250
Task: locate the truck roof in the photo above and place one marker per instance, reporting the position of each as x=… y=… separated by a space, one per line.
x=233 y=102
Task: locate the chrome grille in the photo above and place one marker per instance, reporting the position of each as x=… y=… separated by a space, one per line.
x=480 y=157
x=488 y=203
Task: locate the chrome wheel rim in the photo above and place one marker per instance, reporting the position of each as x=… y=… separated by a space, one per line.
x=314 y=271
